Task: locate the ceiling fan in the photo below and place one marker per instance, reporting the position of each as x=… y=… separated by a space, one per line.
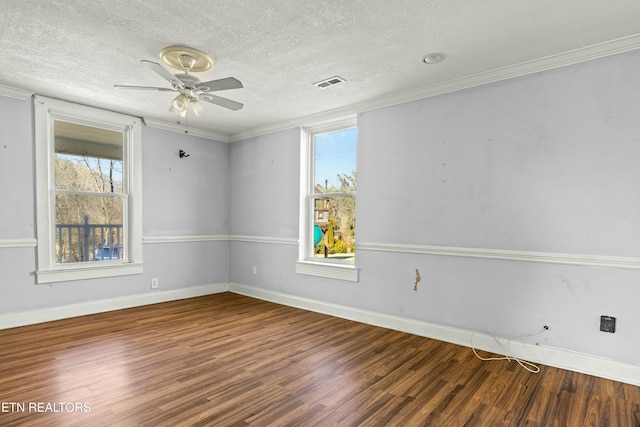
x=191 y=91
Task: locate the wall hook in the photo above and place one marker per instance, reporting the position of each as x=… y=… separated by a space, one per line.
x=182 y=154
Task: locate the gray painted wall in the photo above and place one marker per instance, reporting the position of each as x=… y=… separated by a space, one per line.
x=17 y=216
x=545 y=163
x=181 y=197
x=184 y=196
x=265 y=185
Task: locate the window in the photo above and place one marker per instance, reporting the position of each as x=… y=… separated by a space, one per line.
x=88 y=185
x=328 y=201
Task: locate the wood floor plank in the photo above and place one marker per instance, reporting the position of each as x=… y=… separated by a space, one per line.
x=230 y=360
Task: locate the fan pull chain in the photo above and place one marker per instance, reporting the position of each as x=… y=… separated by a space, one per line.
x=186 y=122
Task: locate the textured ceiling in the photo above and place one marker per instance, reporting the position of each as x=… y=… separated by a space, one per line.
x=77 y=50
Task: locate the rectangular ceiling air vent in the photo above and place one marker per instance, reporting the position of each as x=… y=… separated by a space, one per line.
x=332 y=81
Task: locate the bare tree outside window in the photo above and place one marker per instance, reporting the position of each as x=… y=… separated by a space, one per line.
x=89 y=197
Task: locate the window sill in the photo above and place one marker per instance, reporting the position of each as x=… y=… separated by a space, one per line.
x=84 y=272
x=330 y=271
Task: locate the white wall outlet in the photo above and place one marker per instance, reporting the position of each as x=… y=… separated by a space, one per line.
x=254 y=270
x=154 y=283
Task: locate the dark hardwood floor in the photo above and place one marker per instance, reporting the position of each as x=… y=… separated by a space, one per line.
x=230 y=360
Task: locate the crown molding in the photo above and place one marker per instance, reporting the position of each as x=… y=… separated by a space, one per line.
x=564 y=59
x=15 y=93
x=173 y=127
x=347 y=113
x=571 y=57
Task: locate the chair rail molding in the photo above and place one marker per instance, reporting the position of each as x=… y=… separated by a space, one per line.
x=185 y=239
x=608 y=261
x=18 y=243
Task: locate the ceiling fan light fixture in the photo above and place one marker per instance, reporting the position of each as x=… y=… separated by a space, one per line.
x=196 y=106
x=190 y=90
x=180 y=103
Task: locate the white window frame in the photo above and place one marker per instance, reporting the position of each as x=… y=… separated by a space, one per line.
x=46 y=111
x=307 y=264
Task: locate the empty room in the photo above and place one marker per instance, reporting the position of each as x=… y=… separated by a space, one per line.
x=224 y=213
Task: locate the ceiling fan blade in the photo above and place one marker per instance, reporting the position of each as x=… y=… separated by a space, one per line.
x=223 y=102
x=162 y=72
x=163 y=89
x=220 y=84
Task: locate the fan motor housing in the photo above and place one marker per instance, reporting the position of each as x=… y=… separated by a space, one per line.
x=189 y=81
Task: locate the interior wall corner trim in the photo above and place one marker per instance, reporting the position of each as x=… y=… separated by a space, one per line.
x=603 y=261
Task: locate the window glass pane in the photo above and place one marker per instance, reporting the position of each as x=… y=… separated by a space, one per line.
x=334 y=227
x=87 y=158
x=89 y=228
x=334 y=165
x=335 y=161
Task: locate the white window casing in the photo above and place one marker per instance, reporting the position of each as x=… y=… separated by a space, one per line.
x=307 y=264
x=47 y=111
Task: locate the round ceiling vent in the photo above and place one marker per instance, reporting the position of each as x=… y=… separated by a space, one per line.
x=433 y=58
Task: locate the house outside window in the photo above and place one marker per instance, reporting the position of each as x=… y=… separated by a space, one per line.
x=88 y=184
x=328 y=201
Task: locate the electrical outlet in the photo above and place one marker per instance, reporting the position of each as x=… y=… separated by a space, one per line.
x=154 y=283
x=608 y=324
x=254 y=270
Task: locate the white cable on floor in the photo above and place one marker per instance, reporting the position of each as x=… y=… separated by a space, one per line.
x=531 y=367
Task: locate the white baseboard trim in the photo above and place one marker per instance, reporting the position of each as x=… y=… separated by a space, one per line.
x=12 y=320
x=550 y=356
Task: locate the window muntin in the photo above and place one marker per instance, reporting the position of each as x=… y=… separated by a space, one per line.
x=88 y=183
